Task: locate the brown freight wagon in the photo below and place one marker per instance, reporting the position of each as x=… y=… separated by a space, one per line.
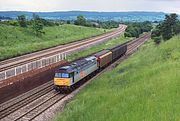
x=118 y=51
x=104 y=58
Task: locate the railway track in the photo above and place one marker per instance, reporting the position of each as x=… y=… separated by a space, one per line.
x=33 y=103
x=134 y=44
x=14 y=62
x=22 y=100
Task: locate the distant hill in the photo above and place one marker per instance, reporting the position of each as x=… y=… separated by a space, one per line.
x=104 y=16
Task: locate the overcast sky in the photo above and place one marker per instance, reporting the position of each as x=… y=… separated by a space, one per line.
x=91 y=5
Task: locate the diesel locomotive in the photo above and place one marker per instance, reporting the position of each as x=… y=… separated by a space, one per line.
x=68 y=76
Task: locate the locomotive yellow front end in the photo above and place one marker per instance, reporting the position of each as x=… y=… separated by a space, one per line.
x=63 y=79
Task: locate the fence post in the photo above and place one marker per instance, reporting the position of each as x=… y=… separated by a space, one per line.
x=21 y=70
x=5 y=75
x=64 y=56
x=60 y=57
x=26 y=67
x=15 y=71
x=40 y=63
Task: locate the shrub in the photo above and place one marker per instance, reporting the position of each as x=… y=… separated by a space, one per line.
x=13 y=23
x=157 y=40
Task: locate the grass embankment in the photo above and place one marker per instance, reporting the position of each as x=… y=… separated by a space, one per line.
x=99 y=47
x=146 y=87
x=16 y=41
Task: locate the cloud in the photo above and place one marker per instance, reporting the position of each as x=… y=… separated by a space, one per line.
x=92 y=5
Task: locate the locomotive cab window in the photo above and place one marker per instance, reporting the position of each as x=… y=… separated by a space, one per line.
x=58 y=75
x=64 y=75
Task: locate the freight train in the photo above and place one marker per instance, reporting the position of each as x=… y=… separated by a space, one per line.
x=68 y=76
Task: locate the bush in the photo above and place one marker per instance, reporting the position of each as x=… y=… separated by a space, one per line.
x=157 y=40
x=68 y=22
x=57 y=24
x=13 y=23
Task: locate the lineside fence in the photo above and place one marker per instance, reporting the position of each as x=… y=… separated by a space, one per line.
x=32 y=66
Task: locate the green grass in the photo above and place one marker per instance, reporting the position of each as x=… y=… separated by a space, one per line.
x=16 y=41
x=146 y=87
x=97 y=48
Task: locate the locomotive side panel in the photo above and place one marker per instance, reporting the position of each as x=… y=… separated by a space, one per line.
x=85 y=70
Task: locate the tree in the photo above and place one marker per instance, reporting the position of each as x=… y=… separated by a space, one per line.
x=168 y=28
x=135 y=29
x=37 y=25
x=166 y=32
x=80 y=21
x=177 y=27
x=173 y=22
x=127 y=34
x=155 y=33
x=68 y=22
x=146 y=26
x=22 y=20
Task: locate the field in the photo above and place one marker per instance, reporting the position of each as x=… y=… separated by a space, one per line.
x=145 y=87
x=15 y=41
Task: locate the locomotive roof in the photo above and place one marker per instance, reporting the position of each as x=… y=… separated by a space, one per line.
x=76 y=65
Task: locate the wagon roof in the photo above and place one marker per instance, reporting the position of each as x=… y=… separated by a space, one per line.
x=117 y=46
x=101 y=53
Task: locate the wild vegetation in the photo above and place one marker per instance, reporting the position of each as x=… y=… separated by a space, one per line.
x=167 y=29
x=144 y=87
x=15 y=40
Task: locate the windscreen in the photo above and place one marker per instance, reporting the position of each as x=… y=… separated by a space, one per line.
x=62 y=75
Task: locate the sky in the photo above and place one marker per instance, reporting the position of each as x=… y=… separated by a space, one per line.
x=168 y=6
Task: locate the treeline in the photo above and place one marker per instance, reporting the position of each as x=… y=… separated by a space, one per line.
x=135 y=29
x=22 y=21
x=36 y=23
x=81 y=20
x=167 y=29
x=108 y=24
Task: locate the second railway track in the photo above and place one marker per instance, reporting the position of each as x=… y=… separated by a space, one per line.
x=40 y=99
x=14 y=62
